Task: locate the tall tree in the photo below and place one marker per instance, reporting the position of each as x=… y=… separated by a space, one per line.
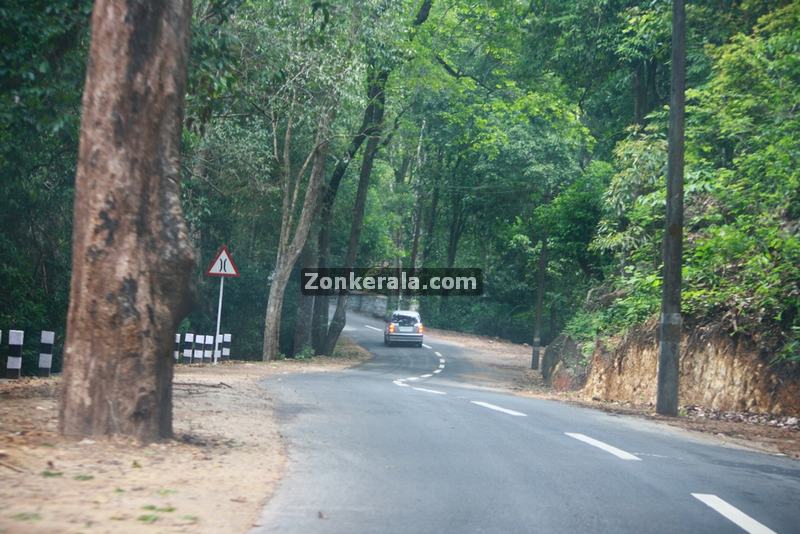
x=131 y=260
x=669 y=346
x=378 y=75
x=294 y=228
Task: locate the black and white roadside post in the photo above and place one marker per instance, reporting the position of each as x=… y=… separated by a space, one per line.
x=14 y=362
x=188 y=346
x=46 y=342
x=199 y=347
x=223 y=267
x=177 y=352
x=208 y=347
x=226 y=347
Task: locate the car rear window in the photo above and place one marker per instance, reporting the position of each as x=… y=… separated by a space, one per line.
x=404 y=320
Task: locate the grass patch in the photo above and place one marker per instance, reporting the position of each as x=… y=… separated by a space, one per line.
x=27 y=516
x=83 y=477
x=50 y=474
x=347 y=349
x=154 y=508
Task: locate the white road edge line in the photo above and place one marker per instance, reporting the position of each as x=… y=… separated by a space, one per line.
x=498 y=408
x=426 y=376
x=399 y=383
x=441 y=366
x=439 y=354
x=426 y=346
x=373 y=328
x=437 y=371
x=412 y=378
x=619 y=453
x=733 y=514
x=430 y=391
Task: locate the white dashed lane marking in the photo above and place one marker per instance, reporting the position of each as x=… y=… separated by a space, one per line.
x=498 y=408
x=373 y=328
x=426 y=346
x=619 y=453
x=730 y=512
x=431 y=391
x=402 y=381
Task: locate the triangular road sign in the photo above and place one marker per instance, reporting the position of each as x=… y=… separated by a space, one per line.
x=222 y=265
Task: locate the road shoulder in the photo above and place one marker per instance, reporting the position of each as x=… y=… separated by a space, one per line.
x=215 y=476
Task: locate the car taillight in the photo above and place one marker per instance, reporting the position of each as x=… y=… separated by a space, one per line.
x=420 y=328
x=392 y=328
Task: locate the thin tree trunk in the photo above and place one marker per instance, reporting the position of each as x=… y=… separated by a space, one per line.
x=339 y=316
x=302 y=324
x=377 y=97
x=131 y=258
x=417 y=229
x=669 y=346
x=553 y=323
x=430 y=226
x=319 y=324
x=287 y=256
x=417 y=199
x=639 y=92
x=537 y=321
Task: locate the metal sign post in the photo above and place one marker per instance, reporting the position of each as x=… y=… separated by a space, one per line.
x=223 y=267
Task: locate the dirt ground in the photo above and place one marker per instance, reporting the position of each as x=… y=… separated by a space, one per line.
x=510 y=363
x=214 y=476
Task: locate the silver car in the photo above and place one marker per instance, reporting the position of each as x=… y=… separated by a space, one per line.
x=404 y=326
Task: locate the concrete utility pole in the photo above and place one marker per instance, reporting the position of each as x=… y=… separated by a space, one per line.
x=537 y=320
x=669 y=349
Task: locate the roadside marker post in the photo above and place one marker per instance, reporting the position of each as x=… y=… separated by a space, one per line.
x=199 y=341
x=177 y=352
x=208 y=344
x=226 y=346
x=188 y=343
x=46 y=342
x=223 y=267
x=14 y=362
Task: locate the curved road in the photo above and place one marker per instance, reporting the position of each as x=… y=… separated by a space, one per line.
x=392 y=446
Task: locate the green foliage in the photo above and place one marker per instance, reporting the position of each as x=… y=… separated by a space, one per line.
x=508 y=131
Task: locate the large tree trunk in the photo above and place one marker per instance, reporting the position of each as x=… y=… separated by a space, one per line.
x=131 y=258
x=670 y=330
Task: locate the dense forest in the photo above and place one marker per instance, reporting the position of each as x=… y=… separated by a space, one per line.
x=526 y=138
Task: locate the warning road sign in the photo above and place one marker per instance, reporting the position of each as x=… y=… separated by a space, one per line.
x=222 y=265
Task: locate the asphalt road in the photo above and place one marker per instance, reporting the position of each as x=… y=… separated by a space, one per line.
x=394 y=446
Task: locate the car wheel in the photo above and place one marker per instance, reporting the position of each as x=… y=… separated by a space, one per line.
x=419 y=345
